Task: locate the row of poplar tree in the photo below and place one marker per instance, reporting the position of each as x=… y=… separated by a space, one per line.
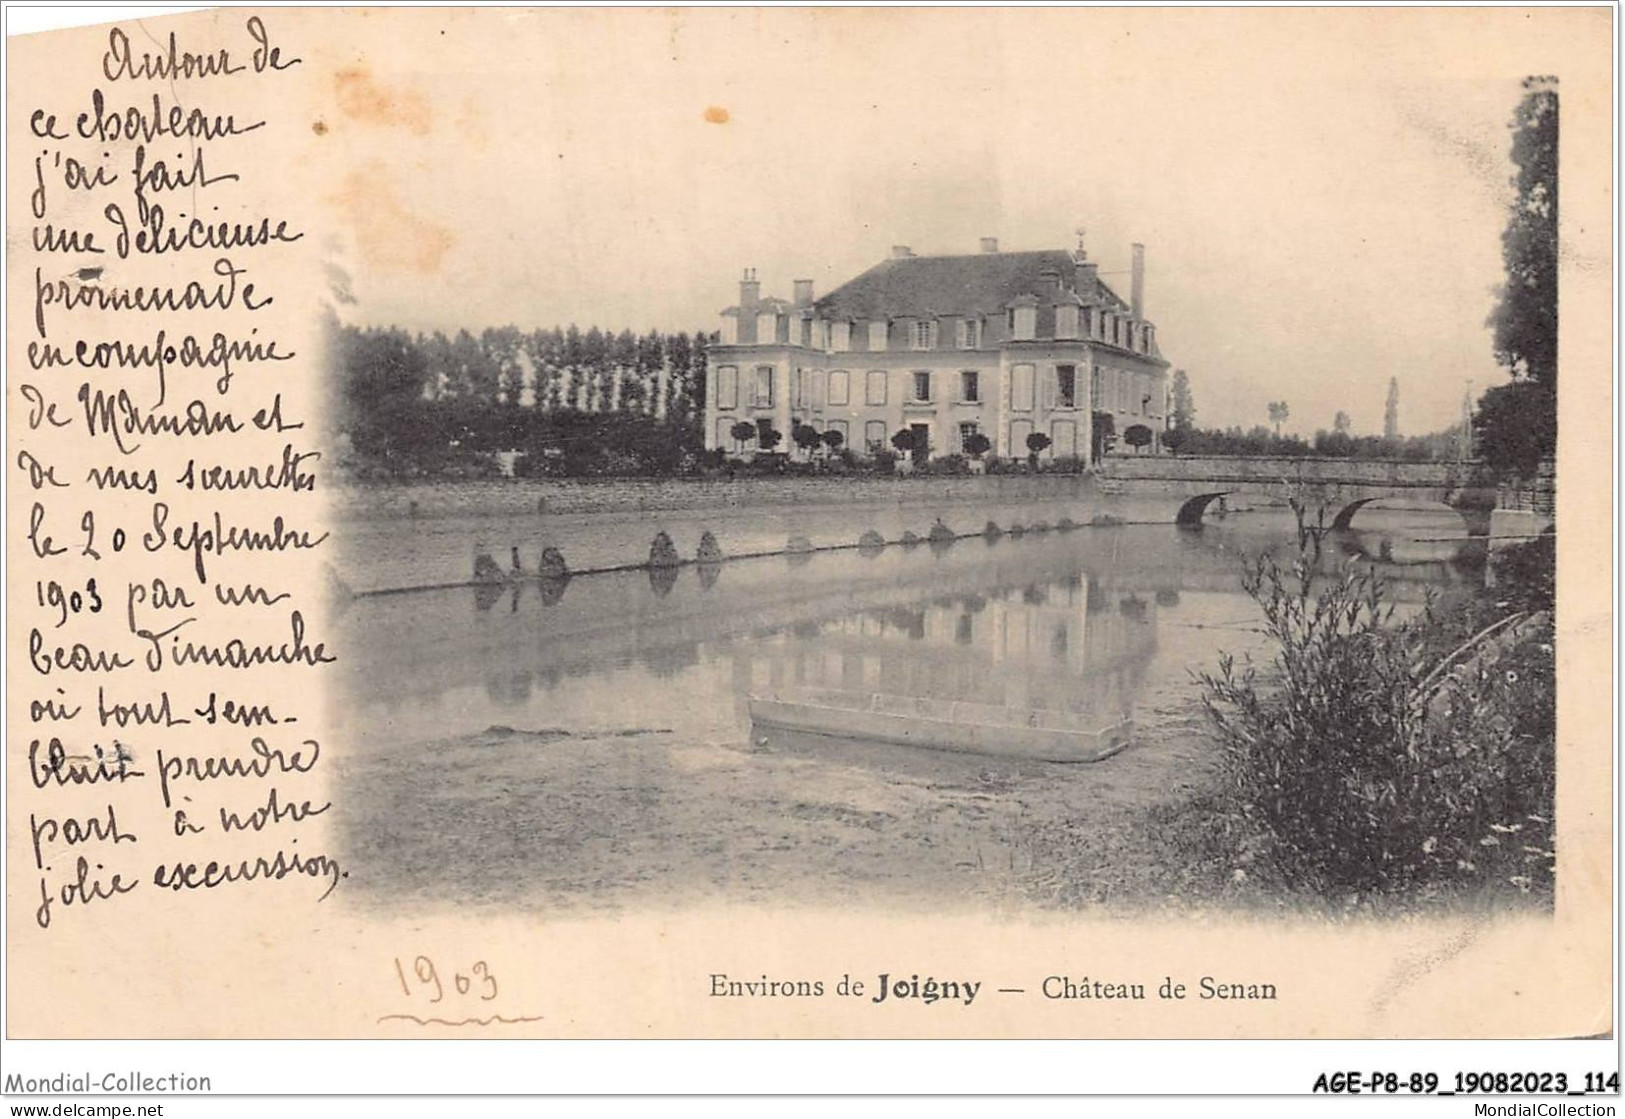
x=582 y=401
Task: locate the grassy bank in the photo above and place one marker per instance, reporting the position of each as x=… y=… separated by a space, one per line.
x=1368 y=766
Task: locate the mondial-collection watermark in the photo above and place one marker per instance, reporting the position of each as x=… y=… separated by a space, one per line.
x=115 y=1083
x=1542 y=1110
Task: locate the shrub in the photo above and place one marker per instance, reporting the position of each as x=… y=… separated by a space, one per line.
x=1380 y=758
x=947 y=464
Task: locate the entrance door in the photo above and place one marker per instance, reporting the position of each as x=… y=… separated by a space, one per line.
x=922 y=442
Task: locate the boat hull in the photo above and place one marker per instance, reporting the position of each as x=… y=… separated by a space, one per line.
x=1005 y=738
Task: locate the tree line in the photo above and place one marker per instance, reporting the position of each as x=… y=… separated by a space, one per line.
x=1185 y=437
x=569 y=401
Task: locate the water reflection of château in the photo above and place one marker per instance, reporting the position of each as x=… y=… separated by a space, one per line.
x=1038 y=646
x=1053 y=620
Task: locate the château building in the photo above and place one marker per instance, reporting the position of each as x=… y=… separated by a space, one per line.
x=1001 y=344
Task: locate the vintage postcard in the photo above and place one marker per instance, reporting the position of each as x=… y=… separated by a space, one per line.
x=811 y=523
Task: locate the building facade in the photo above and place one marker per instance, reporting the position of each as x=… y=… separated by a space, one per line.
x=1001 y=344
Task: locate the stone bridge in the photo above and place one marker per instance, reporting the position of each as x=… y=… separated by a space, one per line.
x=1182 y=488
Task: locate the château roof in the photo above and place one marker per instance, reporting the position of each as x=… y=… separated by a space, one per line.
x=769 y=305
x=978 y=283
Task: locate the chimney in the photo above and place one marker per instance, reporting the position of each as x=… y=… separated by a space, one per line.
x=1088 y=278
x=901 y=252
x=750 y=291
x=1136 y=300
x=804 y=293
x=990 y=244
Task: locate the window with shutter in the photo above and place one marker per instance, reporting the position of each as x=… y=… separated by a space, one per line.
x=1019 y=430
x=1066 y=386
x=1063 y=435
x=839 y=386
x=874 y=389
x=1021 y=388
x=727 y=386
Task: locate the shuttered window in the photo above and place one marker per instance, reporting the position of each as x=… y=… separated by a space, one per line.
x=840 y=389
x=1021 y=388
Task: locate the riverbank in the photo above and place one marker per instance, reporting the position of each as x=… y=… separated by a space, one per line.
x=651 y=817
x=397 y=536
x=1318 y=805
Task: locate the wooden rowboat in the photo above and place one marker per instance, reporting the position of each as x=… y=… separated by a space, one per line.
x=939 y=724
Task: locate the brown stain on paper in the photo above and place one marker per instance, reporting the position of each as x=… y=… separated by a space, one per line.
x=362 y=98
x=716 y=114
x=389 y=237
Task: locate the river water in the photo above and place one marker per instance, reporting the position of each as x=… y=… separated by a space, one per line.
x=590 y=742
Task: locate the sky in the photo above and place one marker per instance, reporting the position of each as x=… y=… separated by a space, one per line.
x=1321 y=193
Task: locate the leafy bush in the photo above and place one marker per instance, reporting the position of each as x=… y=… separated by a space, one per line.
x=947 y=464
x=1379 y=758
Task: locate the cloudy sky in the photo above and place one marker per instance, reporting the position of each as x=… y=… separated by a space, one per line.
x=1321 y=193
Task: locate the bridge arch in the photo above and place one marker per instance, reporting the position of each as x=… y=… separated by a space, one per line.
x=1475 y=520
x=1346 y=514
x=1190 y=513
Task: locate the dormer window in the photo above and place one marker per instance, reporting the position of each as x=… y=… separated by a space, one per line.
x=877 y=335
x=767 y=327
x=970 y=333
x=840 y=336
x=1023 y=323
x=925 y=331
x=1066 y=321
